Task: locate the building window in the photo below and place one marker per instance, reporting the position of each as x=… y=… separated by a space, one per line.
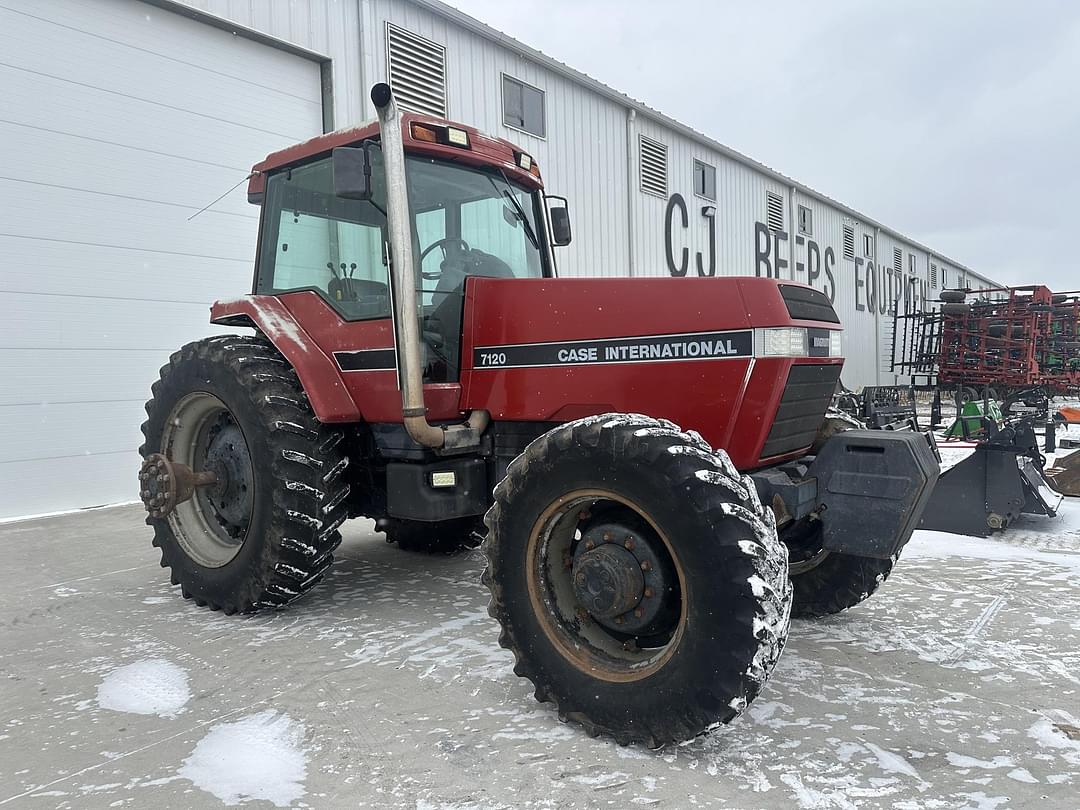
x=653 y=158
x=868 y=245
x=806 y=221
x=774 y=211
x=704 y=180
x=911 y=258
x=417 y=71
x=523 y=107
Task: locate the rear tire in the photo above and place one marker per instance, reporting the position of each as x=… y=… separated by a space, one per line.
x=285 y=529
x=716 y=597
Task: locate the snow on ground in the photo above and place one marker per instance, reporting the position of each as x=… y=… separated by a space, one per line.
x=257 y=757
x=153 y=686
x=956 y=686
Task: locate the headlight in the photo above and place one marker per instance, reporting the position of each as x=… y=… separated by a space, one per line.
x=782 y=341
x=836 y=343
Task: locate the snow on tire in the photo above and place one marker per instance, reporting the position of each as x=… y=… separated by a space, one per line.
x=267 y=534
x=656 y=658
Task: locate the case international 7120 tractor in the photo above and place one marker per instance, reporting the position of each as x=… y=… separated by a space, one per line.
x=415 y=360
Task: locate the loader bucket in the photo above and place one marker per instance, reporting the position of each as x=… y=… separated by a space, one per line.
x=1064 y=475
x=987 y=490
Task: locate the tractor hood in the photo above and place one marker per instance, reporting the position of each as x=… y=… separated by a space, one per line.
x=750 y=363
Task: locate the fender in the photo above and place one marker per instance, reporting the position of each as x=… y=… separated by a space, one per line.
x=318 y=374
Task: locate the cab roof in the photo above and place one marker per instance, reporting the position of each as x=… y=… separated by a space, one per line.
x=482 y=150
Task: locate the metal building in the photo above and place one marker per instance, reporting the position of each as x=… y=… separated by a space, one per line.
x=121 y=119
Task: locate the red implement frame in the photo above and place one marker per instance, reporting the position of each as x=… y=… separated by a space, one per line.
x=1007 y=338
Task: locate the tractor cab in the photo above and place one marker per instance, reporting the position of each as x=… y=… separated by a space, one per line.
x=476 y=208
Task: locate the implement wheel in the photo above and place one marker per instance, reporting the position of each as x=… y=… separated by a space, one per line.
x=245 y=488
x=637 y=578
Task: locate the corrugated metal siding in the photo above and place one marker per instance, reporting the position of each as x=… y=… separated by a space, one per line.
x=583 y=156
x=329 y=27
x=586 y=155
x=121 y=121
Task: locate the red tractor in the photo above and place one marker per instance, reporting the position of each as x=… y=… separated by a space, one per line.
x=415 y=360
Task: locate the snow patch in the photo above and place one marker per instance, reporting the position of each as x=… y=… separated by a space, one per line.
x=153 y=686
x=1049 y=735
x=257 y=757
x=961 y=761
x=927 y=545
x=891 y=762
x=1022 y=775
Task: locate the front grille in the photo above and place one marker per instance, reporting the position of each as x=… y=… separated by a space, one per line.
x=805 y=304
x=807 y=395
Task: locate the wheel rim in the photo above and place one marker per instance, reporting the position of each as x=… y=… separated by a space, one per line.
x=804 y=547
x=606 y=585
x=212 y=525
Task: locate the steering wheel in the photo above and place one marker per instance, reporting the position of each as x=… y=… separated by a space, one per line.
x=449 y=240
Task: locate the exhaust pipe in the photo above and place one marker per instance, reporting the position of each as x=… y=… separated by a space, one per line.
x=449 y=438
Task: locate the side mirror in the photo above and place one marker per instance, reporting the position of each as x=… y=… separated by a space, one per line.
x=559 y=218
x=352 y=173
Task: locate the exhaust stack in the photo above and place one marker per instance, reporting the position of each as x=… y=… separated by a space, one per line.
x=448 y=438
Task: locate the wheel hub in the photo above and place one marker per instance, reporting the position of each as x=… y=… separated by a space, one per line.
x=608 y=581
x=163 y=484
x=228 y=457
x=619 y=579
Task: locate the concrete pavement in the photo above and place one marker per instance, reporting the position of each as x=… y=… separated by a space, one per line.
x=957 y=686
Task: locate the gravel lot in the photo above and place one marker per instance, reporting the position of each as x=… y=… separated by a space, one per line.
x=957 y=686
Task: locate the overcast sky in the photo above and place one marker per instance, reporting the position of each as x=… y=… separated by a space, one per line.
x=956 y=123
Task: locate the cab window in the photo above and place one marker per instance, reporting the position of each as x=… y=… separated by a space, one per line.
x=313 y=240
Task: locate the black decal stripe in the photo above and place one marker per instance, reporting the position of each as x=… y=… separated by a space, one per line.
x=642 y=349
x=367 y=360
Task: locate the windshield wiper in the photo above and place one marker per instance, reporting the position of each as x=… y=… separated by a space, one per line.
x=509 y=195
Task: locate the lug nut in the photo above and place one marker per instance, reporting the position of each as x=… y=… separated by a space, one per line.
x=648 y=592
x=629 y=543
x=590 y=545
x=608 y=537
x=645 y=565
x=637 y=612
x=618 y=620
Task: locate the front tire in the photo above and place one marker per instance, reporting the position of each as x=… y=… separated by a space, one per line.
x=827 y=582
x=265 y=534
x=637 y=578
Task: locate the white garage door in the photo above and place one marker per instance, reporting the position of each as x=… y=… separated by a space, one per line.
x=118 y=121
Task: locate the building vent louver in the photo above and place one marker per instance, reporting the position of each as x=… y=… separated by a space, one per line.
x=933 y=275
x=774 y=211
x=417 y=71
x=653 y=158
x=897 y=260
x=849 y=242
